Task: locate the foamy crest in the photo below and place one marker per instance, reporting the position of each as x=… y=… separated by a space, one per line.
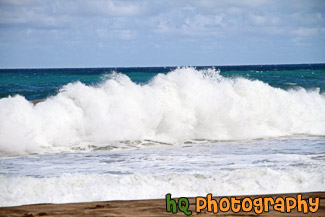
x=184 y=104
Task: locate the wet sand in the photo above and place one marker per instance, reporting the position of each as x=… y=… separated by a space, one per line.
x=143 y=208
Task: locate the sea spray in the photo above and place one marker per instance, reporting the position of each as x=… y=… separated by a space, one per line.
x=184 y=104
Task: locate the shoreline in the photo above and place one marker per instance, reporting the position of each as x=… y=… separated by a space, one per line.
x=150 y=207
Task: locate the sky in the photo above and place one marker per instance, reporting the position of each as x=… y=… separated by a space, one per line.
x=133 y=33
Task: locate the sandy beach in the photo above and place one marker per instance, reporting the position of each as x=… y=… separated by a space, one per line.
x=144 y=208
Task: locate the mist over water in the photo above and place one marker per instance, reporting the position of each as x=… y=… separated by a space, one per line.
x=185 y=104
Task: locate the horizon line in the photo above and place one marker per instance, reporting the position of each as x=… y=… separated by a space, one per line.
x=170 y=66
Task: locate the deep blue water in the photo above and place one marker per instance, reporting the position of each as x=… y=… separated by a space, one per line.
x=40 y=83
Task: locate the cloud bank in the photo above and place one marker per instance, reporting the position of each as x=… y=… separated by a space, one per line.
x=163 y=32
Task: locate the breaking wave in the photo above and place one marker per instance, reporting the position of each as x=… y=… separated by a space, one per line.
x=184 y=104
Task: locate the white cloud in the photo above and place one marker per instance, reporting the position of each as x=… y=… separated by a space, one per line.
x=101 y=20
x=208 y=4
x=306 y=32
x=170 y=16
x=257 y=19
x=106 y=34
x=268 y=19
x=59 y=13
x=109 y=7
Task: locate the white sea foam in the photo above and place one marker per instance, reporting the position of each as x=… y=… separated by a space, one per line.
x=184 y=104
x=95 y=187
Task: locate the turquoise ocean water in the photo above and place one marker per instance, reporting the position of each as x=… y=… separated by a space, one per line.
x=40 y=83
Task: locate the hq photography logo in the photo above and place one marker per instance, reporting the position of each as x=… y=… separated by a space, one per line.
x=245 y=204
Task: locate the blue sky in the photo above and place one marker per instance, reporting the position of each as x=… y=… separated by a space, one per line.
x=98 y=33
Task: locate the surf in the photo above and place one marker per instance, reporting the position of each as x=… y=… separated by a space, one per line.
x=184 y=104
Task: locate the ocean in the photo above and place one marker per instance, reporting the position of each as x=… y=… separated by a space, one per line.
x=140 y=133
